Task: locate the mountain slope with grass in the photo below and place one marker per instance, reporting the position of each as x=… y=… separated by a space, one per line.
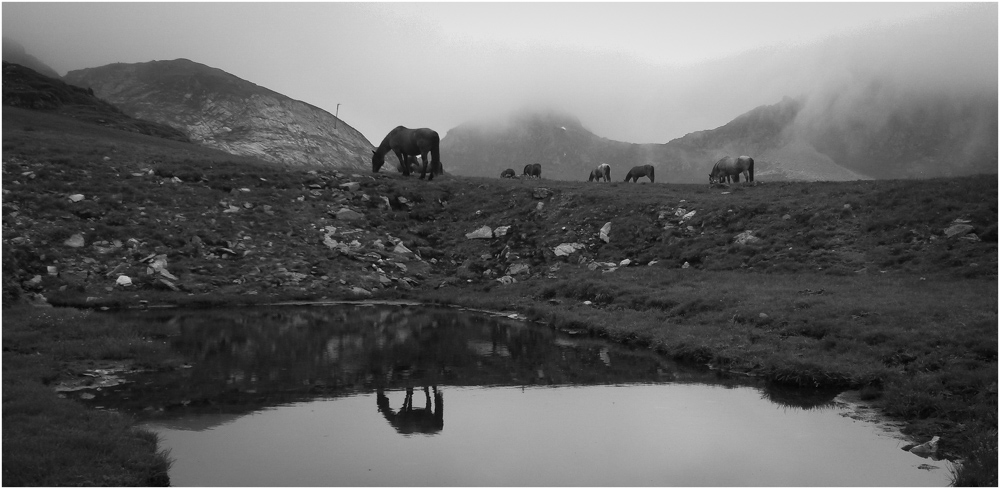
x=888 y=287
x=917 y=137
x=222 y=111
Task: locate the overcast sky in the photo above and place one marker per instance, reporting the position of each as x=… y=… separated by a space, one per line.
x=635 y=72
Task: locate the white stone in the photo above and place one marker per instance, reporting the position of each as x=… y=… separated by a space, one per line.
x=123 y=280
x=482 y=233
x=606 y=232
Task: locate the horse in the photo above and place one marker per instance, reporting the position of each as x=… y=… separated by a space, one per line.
x=508 y=173
x=732 y=167
x=640 y=171
x=602 y=171
x=406 y=142
x=533 y=170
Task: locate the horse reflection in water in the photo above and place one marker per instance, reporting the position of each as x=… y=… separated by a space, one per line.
x=408 y=419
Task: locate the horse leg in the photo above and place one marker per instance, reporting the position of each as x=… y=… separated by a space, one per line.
x=423 y=167
x=405 y=165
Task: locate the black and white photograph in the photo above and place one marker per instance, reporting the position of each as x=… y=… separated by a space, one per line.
x=627 y=244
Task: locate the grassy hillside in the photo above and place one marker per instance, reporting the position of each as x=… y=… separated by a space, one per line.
x=865 y=285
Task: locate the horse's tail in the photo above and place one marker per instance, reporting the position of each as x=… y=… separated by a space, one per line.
x=651 y=180
x=751 y=170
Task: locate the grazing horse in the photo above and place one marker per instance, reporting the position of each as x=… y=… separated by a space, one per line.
x=533 y=170
x=602 y=171
x=406 y=142
x=732 y=167
x=409 y=419
x=640 y=171
x=508 y=173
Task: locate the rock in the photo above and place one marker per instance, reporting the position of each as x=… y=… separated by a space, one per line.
x=482 y=233
x=34 y=283
x=75 y=241
x=500 y=231
x=518 y=269
x=76 y=197
x=403 y=250
x=169 y=284
x=786 y=217
x=606 y=232
x=350 y=186
x=505 y=280
x=958 y=230
x=349 y=215
x=746 y=238
x=541 y=193
x=566 y=249
x=358 y=291
x=538 y=208
x=52 y=270
x=123 y=280
x=688 y=215
x=686 y=265
x=624 y=263
x=926 y=449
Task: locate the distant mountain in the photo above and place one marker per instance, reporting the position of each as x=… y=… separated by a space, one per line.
x=795 y=139
x=27 y=89
x=223 y=111
x=14 y=52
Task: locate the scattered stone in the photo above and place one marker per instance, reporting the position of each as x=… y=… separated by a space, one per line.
x=606 y=232
x=482 y=233
x=349 y=215
x=746 y=238
x=958 y=230
x=688 y=215
x=786 y=217
x=686 y=265
x=519 y=269
x=538 y=208
x=350 y=186
x=358 y=291
x=541 y=193
x=624 y=263
x=566 y=249
x=76 y=197
x=403 y=250
x=505 y=280
x=52 y=270
x=500 y=231
x=123 y=280
x=75 y=241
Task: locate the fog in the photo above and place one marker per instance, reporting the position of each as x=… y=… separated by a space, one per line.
x=637 y=72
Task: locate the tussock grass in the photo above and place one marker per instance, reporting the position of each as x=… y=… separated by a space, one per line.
x=49 y=441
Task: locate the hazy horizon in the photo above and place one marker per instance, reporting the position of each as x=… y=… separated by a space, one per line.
x=634 y=72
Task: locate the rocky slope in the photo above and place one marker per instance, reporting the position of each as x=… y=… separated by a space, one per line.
x=27 y=89
x=14 y=52
x=222 y=111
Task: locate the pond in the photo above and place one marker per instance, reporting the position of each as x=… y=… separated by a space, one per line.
x=406 y=395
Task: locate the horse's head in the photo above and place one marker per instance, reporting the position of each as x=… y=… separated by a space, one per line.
x=377 y=161
x=712 y=179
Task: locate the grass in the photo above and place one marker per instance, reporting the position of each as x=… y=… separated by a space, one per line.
x=50 y=441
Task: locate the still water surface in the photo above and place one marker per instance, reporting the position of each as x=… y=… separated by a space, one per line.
x=416 y=396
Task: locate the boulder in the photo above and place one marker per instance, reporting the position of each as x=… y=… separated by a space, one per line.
x=75 y=241
x=123 y=280
x=606 y=232
x=482 y=233
x=76 y=197
x=349 y=215
x=746 y=238
x=958 y=230
x=566 y=249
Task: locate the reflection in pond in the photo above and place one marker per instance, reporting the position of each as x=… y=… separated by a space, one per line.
x=332 y=388
x=409 y=420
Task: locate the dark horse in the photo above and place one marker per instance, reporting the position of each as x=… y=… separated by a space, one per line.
x=640 y=171
x=508 y=173
x=405 y=142
x=732 y=167
x=603 y=171
x=533 y=170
